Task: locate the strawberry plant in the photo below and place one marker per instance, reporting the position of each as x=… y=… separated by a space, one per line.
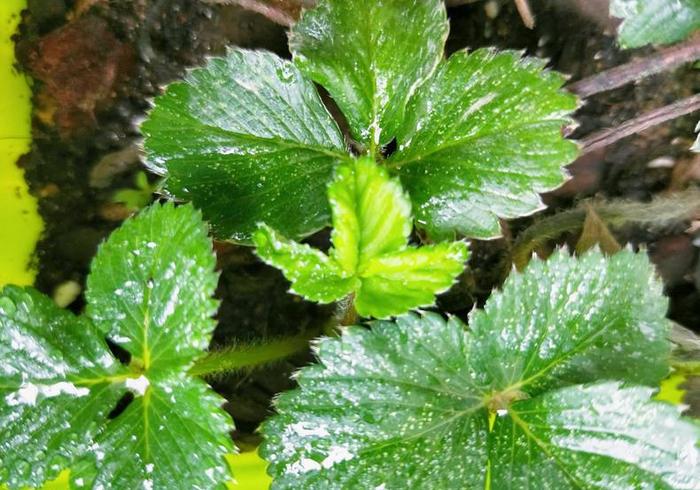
x=548 y=386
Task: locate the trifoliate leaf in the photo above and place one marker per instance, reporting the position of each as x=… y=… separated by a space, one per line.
x=371 y=257
x=56 y=387
x=247 y=139
x=151 y=287
x=567 y=321
x=409 y=404
x=655 y=21
x=150 y=291
x=481 y=138
x=594 y=436
x=370 y=56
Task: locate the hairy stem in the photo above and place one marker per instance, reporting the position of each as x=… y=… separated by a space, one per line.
x=660 y=213
x=606 y=137
x=247 y=356
x=657 y=62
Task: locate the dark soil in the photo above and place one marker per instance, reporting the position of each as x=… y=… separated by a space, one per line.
x=96 y=72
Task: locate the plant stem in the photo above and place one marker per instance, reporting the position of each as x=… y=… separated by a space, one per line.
x=606 y=137
x=657 y=215
x=657 y=62
x=247 y=356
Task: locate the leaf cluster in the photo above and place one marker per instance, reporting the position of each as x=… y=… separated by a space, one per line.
x=248 y=139
x=62 y=390
x=549 y=386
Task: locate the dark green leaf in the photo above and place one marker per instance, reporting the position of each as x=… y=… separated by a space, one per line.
x=175 y=436
x=392 y=406
x=150 y=290
x=247 y=139
x=655 y=21
x=56 y=386
x=567 y=321
x=600 y=436
x=481 y=138
x=408 y=404
x=151 y=287
x=370 y=56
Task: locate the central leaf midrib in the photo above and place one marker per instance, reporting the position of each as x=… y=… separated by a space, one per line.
x=286 y=143
x=395 y=165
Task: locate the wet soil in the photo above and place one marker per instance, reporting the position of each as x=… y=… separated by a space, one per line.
x=97 y=63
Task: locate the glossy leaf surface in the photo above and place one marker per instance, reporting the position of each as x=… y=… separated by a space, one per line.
x=150 y=291
x=481 y=138
x=370 y=257
x=370 y=56
x=655 y=21
x=407 y=404
x=174 y=436
x=568 y=321
x=151 y=283
x=392 y=406
x=594 y=436
x=55 y=386
x=247 y=139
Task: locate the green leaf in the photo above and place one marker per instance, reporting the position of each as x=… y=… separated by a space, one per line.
x=568 y=321
x=655 y=21
x=392 y=406
x=55 y=387
x=247 y=139
x=594 y=436
x=371 y=56
x=371 y=257
x=480 y=139
x=175 y=436
x=312 y=273
x=149 y=291
x=411 y=403
x=151 y=287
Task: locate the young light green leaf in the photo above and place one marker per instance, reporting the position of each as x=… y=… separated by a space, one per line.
x=655 y=21
x=312 y=273
x=150 y=291
x=370 y=56
x=401 y=281
x=247 y=139
x=371 y=257
x=55 y=387
x=567 y=321
x=595 y=436
x=480 y=139
x=151 y=287
x=407 y=404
